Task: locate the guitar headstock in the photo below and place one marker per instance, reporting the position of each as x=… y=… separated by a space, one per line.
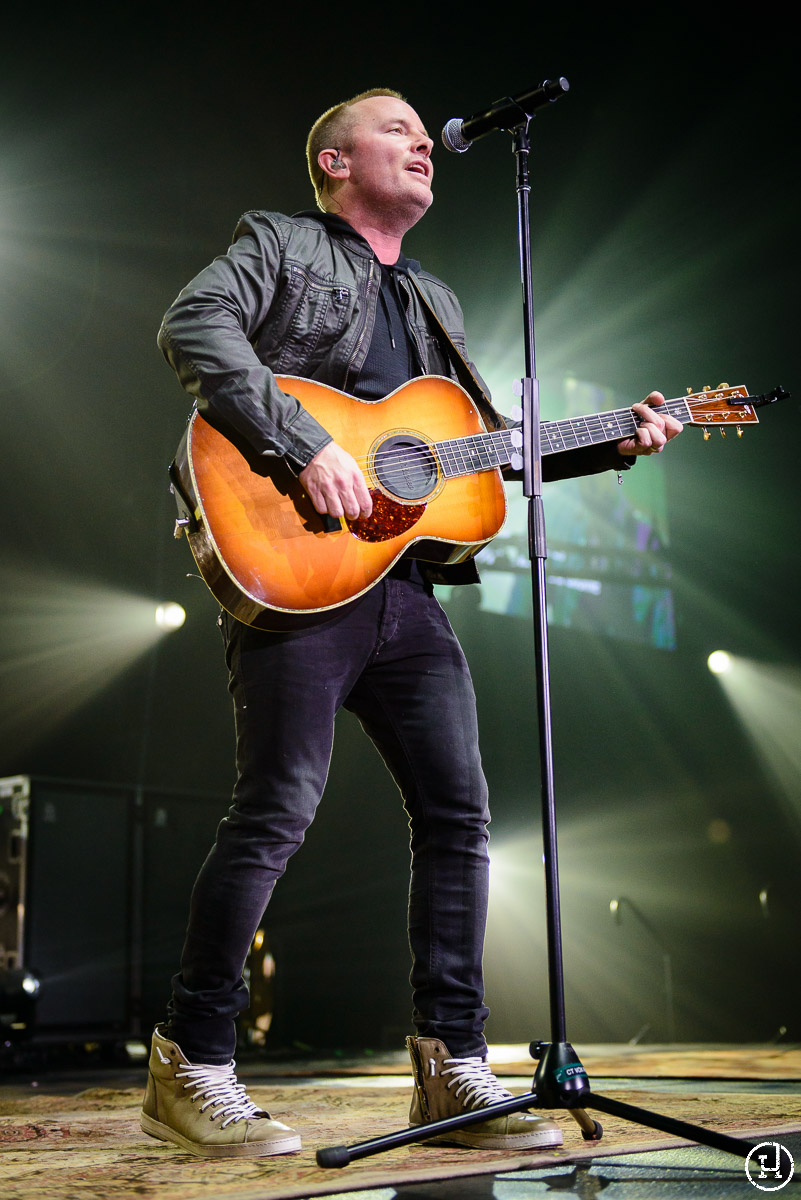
x=722 y=405
x=725 y=405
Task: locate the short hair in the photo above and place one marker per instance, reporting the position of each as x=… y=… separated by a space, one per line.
x=333 y=129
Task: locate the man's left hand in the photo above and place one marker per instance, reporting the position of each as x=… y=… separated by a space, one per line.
x=655 y=429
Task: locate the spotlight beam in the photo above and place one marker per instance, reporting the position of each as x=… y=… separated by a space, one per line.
x=65 y=640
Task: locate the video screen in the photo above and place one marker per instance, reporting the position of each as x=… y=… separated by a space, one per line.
x=607 y=566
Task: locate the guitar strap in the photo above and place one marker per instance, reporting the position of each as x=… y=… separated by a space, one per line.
x=463 y=373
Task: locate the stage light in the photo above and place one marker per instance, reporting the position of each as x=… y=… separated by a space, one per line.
x=65 y=640
x=766 y=698
x=719 y=662
x=19 y=990
x=30 y=984
x=170 y=616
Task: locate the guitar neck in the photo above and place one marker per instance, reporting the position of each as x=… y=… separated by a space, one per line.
x=482 y=451
x=573 y=432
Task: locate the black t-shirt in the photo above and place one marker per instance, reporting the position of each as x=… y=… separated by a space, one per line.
x=391 y=361
x=392 y=358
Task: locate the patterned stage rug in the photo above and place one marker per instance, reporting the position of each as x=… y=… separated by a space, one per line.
x=754 y=1062
x=89 y=1146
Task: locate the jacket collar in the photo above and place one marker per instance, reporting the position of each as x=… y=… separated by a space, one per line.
x=338 y=227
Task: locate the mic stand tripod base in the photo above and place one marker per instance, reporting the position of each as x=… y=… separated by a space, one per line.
x=560 y=1081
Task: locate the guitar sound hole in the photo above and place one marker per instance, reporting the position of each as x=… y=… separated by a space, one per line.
x=406 y=467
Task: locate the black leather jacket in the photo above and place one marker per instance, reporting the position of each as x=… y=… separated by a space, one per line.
x=297 y=296
x=292 y=296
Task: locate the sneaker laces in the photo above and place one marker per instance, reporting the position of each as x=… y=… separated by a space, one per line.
x=219 y=1088
x=474 y=1077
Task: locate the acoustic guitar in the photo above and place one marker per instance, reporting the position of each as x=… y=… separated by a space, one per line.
x=433 y=471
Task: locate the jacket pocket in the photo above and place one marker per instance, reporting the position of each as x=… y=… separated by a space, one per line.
x=307 y=323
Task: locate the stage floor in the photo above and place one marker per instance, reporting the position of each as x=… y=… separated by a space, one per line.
x=69 y=1131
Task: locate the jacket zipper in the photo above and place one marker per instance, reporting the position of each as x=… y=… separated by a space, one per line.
x=369 y=320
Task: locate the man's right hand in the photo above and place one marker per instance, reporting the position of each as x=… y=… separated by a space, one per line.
x=335 y=484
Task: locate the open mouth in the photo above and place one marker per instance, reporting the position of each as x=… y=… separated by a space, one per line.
x=418 y=168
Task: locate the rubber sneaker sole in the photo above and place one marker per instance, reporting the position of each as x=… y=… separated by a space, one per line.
x=262 y=1149
x=545 y=1139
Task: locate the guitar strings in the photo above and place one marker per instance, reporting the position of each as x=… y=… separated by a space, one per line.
x=456 y=447
x=496 y=439
x=500 y=438
x=459 y=448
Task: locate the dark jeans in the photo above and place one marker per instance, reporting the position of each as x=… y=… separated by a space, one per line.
x=393 y=660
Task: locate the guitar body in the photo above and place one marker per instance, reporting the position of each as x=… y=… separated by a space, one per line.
x=272 y=561
x=433 y=472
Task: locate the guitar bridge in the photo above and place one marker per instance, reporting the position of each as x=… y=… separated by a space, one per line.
x=331 y=524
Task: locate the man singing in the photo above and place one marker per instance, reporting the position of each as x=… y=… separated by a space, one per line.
x=329 y=295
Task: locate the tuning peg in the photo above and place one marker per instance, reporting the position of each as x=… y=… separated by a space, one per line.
x=739 y=431
x=722 y=385
x=706 y=388
x=707 y=435
x=689 y=391
x=723 y=433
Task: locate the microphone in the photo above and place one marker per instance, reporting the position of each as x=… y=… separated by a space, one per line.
x=507 y=113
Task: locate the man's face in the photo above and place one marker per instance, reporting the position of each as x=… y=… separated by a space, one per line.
x=389 y=158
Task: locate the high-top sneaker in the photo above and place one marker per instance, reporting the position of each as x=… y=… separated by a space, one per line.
x=204 y=1110
x=445 y=1086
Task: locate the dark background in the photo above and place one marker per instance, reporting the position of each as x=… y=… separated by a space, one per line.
x=665 y=192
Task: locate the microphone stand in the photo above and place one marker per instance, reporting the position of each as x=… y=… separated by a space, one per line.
x=560 y=1080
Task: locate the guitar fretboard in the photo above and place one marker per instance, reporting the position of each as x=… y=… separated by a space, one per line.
x=482 y=451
